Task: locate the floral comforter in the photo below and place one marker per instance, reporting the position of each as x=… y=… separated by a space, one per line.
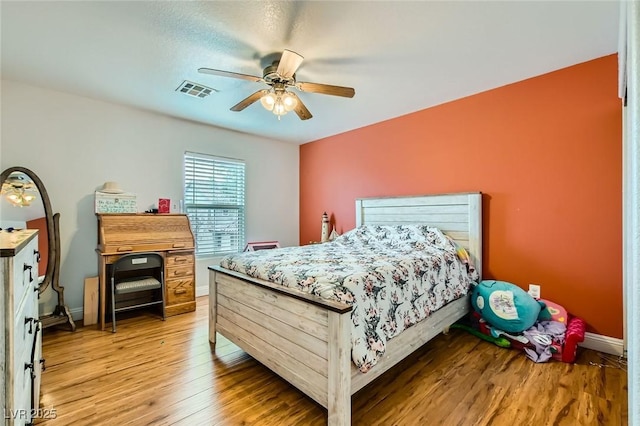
x=393 y=276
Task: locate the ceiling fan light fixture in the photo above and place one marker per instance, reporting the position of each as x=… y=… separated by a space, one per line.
x=280 y=102
x=18 y=191
x=20 y=198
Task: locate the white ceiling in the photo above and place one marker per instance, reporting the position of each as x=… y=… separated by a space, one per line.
x=400 y=56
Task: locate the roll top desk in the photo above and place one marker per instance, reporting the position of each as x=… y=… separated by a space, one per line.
x=167 y=234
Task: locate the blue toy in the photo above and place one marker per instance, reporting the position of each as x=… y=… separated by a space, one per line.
x=505 y=306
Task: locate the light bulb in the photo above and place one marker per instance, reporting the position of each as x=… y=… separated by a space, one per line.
x=289 y=101
x=279 y=108
x=268 y=101
x=16 y=200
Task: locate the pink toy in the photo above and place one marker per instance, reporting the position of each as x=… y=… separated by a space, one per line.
x=574 y=335
x=554 y=312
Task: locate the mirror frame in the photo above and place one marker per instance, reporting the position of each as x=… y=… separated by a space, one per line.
x=51 y=228
x=61 y=314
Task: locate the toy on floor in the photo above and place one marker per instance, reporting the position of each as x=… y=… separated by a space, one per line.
x=574 y=335
x=505 y=306
x=499 y=341
x=507 y=316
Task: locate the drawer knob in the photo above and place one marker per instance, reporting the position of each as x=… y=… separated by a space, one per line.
x=180 y=259
x=37 y=254
x=178 y=245
x=180 y=290
x=28 y=268
x=30 y=321
x=125 y=248
x=44 y=367
x=29 y=366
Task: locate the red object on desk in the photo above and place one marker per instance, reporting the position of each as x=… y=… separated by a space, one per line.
x=164 y=205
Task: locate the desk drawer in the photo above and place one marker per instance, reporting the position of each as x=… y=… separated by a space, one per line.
x=180 y=291
x=179 y=259
x=139 y=246
x=181 y=272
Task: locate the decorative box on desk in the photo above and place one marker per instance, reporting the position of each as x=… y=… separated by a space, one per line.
x=115 y=203
x=167 y=234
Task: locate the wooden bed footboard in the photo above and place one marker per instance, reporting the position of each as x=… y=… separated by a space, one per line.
x=308 y=344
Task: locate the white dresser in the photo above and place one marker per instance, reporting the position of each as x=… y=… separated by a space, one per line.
x=21 y=345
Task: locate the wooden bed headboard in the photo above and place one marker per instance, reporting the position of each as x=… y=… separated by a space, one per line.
x=459 y=215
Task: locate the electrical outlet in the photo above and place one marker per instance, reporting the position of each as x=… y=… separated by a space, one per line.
x=534 y=291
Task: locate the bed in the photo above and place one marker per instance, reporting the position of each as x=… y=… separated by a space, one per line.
x=306 y=339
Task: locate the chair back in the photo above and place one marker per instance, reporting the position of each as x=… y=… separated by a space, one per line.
x=138 y=261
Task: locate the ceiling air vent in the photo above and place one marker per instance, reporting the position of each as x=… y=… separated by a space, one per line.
x=194 y=89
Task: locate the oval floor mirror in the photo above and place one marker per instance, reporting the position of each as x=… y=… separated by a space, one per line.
x=25 y=203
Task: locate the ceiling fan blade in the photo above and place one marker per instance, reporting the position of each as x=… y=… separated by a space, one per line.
x=289 y=63
x=326 y=89
x=229 y=74
x=301 y=109
x=249 y=100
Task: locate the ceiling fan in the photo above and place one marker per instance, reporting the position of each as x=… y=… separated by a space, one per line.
x=280 y=75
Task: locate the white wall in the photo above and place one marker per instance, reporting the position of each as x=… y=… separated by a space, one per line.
x=75 y=144
x=631 y=223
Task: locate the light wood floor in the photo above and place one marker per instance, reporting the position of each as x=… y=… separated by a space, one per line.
x=165 y=373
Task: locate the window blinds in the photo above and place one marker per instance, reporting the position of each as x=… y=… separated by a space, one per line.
x=214 y=192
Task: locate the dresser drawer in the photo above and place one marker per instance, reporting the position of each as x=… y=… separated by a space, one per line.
x=24 y=328
x=180 y=291
x=25 y=273
x=22 y=389
x=21 y=416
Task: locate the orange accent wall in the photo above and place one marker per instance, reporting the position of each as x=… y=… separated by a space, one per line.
x=547 y=155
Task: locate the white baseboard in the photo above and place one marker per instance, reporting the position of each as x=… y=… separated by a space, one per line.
x=77 y=313
x=202 y=290
x=606 y=344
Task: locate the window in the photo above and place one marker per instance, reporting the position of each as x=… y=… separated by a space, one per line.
x=214 y=202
